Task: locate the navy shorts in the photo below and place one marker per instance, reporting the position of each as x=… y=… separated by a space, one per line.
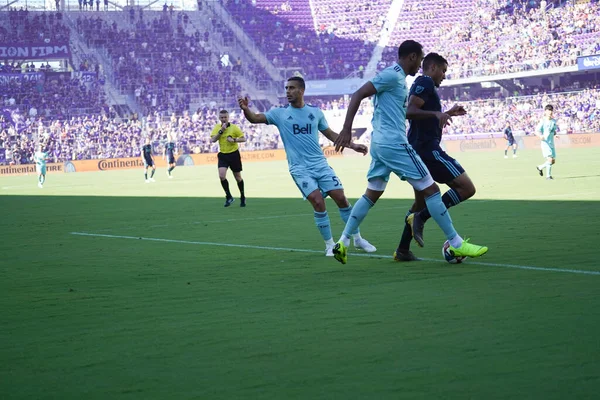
x=230 y=160
x=511 y=142
x=442 y=167
x=148 y=163
x=171 y=158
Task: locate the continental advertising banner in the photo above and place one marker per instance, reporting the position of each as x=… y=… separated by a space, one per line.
x=451 y=146
x=26 y=169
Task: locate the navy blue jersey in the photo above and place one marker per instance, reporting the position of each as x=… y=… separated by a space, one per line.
x=147 y=151
x=170 y=148
x=425 y=134
x=509 y=135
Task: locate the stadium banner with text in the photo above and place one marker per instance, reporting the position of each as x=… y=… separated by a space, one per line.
x=524 y=142
x=26 y=169
x=7 y=79
x=34 y=51
x=587 y=63
x=182 y=160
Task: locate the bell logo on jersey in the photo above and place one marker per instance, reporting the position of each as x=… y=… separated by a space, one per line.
x=302 y=130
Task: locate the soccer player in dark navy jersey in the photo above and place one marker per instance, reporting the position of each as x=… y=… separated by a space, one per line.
x=427 y=122
x=510 y=141
x=148 y=160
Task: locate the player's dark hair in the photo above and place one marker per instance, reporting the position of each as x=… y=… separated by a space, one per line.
x=549 y=107
x=223 y=112
x=432 y=59
x=409 y=47
x=298 y=79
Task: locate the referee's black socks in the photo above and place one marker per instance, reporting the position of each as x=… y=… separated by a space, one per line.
x=241 y=187
x=225 y=185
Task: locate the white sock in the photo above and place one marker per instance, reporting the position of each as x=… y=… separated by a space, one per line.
x=456 y=241
x=345 y=239
x=329 y=243
x=357 y=237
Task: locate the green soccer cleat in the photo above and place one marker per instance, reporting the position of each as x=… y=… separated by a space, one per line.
x=340 y=252
x=467 y=249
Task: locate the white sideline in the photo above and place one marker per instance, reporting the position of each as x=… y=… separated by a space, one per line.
x=247 y=246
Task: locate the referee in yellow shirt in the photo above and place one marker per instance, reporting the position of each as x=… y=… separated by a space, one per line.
x=229 y=135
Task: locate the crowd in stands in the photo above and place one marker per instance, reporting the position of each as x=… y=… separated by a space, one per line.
x=18 y=26
x=166 y=68
x=525 y=35
x=104 y=136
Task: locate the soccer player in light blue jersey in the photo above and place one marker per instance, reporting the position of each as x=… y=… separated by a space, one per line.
x=391 y=151
x=546 y=129
x=40 y=158
x=299 y=125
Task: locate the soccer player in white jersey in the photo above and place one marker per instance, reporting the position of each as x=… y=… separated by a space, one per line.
x=391 y=151
x=299 y=125
x=40 y=158
x=546 y=130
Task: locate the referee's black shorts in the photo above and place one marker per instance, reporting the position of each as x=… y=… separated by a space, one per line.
x=230 y=160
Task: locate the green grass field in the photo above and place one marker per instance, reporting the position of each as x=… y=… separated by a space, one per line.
x=183 y=299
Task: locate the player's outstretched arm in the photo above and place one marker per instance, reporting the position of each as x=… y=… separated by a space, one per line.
x=415 y=111
x=251 y=116
x=344 y=139
x=359 y=148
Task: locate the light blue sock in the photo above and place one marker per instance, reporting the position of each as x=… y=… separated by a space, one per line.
x=323 y=224
x=359 y=212
x=440 y=214
x=345 y=214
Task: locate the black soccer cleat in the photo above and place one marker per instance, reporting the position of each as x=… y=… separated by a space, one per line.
x=541 y=172
x=228 y=202
x=243 y=202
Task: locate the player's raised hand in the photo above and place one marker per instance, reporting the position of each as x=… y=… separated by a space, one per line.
x=343 y=140
x=359 y=148
x=444 y=118
x=456 y=111
x=243 y=102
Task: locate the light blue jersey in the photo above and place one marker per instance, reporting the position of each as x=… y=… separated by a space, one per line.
x=390 y=102
x=40 y=159
x=547 y=128
x=299 y=129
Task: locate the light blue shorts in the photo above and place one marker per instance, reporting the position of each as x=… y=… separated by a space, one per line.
x=40 y=170
x=320 y=177
x=401 y=159
x=548 y=151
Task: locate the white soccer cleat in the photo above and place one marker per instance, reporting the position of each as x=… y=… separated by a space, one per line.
x=363 y=244
x=170 y=176
x=147 y=181
x=152 y=180
x=40 y=186
x=514 y=156
x=505 y=156
x=329 y=251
